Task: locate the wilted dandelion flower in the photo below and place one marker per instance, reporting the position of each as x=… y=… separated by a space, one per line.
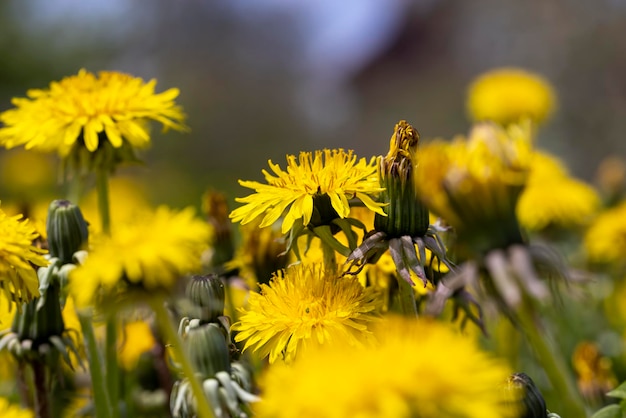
x=315 y=189
x=506 y=95
x=304 y=306
x=553 y=198
x=150 y=254
x=416 y=368
x=86 y=109
x=605 y=240
x=18 y=258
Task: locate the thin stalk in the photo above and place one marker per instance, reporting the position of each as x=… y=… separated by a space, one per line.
x=42 y=399
x=102 y=188
x=171 y=335
x=101 y=396
x=112 y=367
x=330 y=257
x=552 y=362
x=406 y=297
x=22 y=386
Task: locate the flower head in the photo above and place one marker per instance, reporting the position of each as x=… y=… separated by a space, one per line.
x=315 y=189
x=417 y=368
x=304 y=306
x=605 y=240
x=18 y=258
x=88 y=109
x=474 y=183
x=13 y=411
x=150 y=254
x=553 y=198
x=506 y=95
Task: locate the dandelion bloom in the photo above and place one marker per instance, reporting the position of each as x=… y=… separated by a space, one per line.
x=304 y=306
x=553 y=198
x=319 y=182
x=475 y=182
x=150 y=254
x=417 y=368
x=86 y=109
x=13 y=411
x=18 y=278
x=506 y=95
x=605 y=240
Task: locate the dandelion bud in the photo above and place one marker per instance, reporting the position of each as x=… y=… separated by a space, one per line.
x=208 y=350
x=534 y=405
x=207 y=294
x=67 y=230
x=406 y=215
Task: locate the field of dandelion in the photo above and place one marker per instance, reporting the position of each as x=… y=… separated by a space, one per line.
x=450 y=247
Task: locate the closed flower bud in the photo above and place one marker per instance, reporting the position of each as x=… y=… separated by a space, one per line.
x=207 y=294
x=406 y=215
x=208 y=350
x=67 y=230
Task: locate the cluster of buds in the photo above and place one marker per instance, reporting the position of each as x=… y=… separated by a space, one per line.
x=206 y=335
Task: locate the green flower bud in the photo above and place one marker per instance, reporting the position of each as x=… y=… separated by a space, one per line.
x=208 y=350
x=207 y=294
x=38 y=322
x=67 y=230
x=406 y=215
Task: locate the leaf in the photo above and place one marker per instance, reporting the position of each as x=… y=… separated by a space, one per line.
x=611 y=411
x=619 y=392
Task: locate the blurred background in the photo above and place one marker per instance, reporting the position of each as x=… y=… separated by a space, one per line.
x=265 y=78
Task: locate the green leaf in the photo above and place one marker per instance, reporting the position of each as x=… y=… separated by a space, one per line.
x=611 y=411
x=619 y=392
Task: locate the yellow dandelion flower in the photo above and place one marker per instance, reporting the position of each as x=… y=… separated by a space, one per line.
x=304 y=306
x=553 y=198
x=137 y=338
x=506 y=95
x=320 y=182
x=474 y=182
x=456 y=379
x=150 y=253
x=89 y=109
x=13 y=411
x=605 y=240
x=18 y=279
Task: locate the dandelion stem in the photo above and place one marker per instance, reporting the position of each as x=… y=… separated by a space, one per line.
x=171 y=335
x=112 y=368
x=101 y=397
x=551 y=361
x=406 y=298
x=42 y=400
x=102 y=187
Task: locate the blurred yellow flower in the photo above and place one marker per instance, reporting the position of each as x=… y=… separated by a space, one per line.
x=506 y=95
x=137 y=338
x=553 y=198
x=86 y=109
x=605 y=240
x=19 y=258
x=27 y=174
x=304 y=306
x=7 y=410
x=475 y=182
x=151 y=254
x=417 y=368
x=317 y=183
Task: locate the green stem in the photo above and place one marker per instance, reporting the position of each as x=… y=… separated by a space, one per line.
x=42 y=398
x=102 y=188
x=552 y=362
x=406 y=297
x=171 y=335
x=330 y=257
x=101 y=397
x=112 y=367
